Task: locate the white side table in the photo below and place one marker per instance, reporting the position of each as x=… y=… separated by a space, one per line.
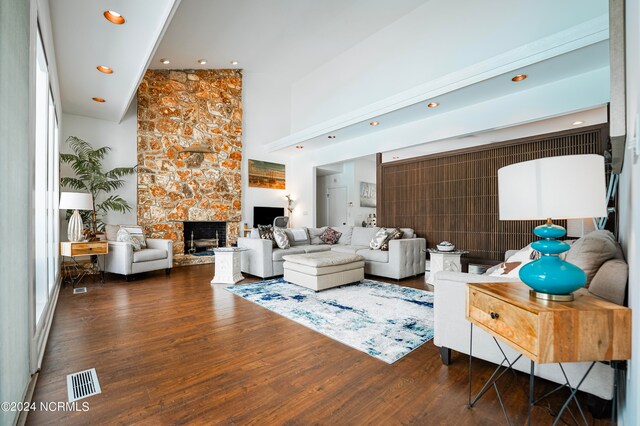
x=444 y=261
x=227 y=265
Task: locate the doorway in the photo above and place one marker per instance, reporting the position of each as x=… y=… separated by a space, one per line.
x=337 y=206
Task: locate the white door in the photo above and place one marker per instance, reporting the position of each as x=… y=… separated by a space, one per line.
x=337 y=206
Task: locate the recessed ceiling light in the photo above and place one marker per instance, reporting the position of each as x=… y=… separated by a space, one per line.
x=519 y=77
x=331 y=136
x=165 y=61
x=577 y=123
x=104 y=69
x=433 y=104
x=234 y=62
x=114 y=17
x=299 y=146
x=202 y=61
x=374 y=123
x=99 y=100
x=395 y=157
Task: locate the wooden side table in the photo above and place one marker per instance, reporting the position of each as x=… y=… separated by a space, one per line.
x=76 y=272
x=587 y=329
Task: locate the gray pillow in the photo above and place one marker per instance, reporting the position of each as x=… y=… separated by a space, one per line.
x=111 y=232
x=314 y=235
x=125 y=237
x=591 y=251
x=610 y=282
x=280 y=237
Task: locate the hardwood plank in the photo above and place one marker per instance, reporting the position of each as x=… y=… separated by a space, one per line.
x=175 y=350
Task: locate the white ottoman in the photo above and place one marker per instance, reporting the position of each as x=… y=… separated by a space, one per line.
x=319 y=271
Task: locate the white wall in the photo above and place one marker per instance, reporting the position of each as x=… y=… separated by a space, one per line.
x=410 y=51
x=629 y=208
x=266 y=110
x=122 y=139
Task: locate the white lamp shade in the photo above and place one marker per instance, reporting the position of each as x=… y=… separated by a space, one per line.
x=76 y=201
x=565 y=187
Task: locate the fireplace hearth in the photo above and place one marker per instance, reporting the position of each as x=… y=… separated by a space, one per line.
x=204 y=236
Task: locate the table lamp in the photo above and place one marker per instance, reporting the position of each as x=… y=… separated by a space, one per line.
x=75 y=201
x=565 y=187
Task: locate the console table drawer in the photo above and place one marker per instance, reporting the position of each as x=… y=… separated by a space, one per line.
x=83 y=249
x=515 y=324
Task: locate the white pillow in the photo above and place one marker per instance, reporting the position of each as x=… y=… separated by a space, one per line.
x=125 y=237
x=280 y=237
x=511 y=267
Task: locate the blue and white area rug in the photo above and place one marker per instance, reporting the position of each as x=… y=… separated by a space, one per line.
x=386 y=321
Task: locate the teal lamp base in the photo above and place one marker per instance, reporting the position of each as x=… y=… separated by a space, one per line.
x=550 y=277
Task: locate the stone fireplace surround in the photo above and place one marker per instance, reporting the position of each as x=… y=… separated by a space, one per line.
x=177 y=109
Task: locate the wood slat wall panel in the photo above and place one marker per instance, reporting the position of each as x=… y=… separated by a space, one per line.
x=454 y=196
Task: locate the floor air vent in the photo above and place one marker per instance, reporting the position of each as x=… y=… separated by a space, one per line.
x=79 y=290
x=82 y=384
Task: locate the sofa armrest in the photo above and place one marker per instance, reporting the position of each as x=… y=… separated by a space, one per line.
x=258 y=258
x=407 y=256
x=167 y=245
x=119 y=258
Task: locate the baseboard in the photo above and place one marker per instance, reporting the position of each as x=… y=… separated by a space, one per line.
x=21 y=419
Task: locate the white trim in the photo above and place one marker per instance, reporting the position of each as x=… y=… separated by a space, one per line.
x=158 y=37
x=579 y=36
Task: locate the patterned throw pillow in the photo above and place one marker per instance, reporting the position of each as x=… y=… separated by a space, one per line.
x=394 y=234
x=137 y=233
x=378 y=239
x=280 y=237
x=266 y=233
x=511 y=267
x=125 y=237
x=330 y=236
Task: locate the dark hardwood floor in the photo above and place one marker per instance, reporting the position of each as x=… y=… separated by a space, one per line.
x=176 y=350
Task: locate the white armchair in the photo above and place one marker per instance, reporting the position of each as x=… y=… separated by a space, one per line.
x=122 y=260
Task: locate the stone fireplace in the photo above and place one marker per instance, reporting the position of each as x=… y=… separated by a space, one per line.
x=177 y=110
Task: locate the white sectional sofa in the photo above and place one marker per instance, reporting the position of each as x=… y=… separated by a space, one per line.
x=405 y=257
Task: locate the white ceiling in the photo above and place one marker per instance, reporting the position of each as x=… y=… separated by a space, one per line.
x=287 y=37
x=84 y=39
x=586 y=59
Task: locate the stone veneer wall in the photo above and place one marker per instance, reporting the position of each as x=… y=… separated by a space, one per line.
x=178 y=108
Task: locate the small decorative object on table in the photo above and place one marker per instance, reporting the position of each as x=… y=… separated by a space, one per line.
x=445 y=246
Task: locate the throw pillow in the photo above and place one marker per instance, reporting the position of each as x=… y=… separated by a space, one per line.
x=280 y=237
x=314 y=235
x=137 y=233
x=378 y=239
x=330 y=236
x=395 y=234
x=125 y=237
x=266 y=233
x=511 y=267
x=591 y=251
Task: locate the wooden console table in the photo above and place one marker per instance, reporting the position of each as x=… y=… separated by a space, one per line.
x=76 y=272
x=587 y=329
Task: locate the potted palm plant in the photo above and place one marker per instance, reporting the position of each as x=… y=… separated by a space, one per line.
x=86 y=163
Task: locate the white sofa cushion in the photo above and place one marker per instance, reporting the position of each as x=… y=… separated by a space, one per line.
x=310 y=248
x=374 y=255
x=278 y=253
x=347 y=249
x=146 y=255
x=347 y=232
x=408 y=233
x=362 y=236
x=314 y=235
